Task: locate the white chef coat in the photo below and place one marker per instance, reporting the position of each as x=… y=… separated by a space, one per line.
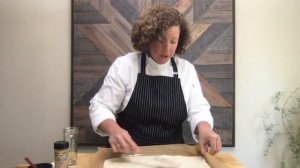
x=120 y=80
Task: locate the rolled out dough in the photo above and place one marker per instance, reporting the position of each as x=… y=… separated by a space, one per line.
x=156 y=161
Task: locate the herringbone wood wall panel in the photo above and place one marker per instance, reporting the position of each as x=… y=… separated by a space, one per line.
x=101 y=33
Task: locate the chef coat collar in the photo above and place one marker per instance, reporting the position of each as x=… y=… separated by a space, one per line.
x=157 y=66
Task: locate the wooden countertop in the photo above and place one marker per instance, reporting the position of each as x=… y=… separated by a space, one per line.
x=220 y=160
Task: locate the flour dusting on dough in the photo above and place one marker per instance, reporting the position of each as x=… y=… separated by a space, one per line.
x=156 y=161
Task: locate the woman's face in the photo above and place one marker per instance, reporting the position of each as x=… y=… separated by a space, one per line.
x=164 y=48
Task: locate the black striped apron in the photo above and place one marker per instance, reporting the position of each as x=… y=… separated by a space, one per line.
x=156 y=109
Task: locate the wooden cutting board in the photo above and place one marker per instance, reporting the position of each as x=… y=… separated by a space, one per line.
x=220 y=160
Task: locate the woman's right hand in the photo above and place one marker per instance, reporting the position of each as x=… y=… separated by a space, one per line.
x=119 y=138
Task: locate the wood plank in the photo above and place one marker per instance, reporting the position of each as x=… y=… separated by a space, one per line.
x=183 y=5
x=81 y=88
x=81 y=111
x=222 y=5
x=86 y=13
x=199 y=8
x=141 y=5
x=213 y=97
x=89 y=71
x=206 y=11
x=205 y=40
x=222 y=118
x=117 y=42
x=85 y=47
x=126 y=10
x=215 y=71
x=82 y=122
x=84 y=99
x=196 y=31
x=90 y=32
x=229 y=96
x=215 y=58
x=212 y=16
x=103 y=7
x=90 y=60
x=223 y=123
x=223 y=43
x=100 y=40
x=186 y=8
x=221 y=85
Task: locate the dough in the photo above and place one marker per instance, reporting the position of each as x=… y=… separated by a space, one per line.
x=156 y=161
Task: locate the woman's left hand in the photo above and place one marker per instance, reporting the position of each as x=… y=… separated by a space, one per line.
x=208 y=137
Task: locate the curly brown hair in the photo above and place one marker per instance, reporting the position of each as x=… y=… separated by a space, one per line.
x=151 y=25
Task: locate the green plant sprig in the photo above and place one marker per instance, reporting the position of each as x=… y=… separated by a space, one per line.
x=287 y=114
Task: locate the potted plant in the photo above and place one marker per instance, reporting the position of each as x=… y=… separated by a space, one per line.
x=283 y=122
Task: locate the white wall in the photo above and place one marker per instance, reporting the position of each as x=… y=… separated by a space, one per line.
x=35 y=74
x=35 y=78
x=267 y=60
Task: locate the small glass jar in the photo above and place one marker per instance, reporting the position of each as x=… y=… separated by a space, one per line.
x=71 y=135
x=61 y=149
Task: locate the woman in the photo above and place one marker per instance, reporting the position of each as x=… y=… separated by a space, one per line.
x=147 y=95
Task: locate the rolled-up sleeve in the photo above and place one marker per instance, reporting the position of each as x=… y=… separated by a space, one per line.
x=197 y=105
x=107 y=101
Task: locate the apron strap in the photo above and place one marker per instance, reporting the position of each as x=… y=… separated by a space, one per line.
x=143 y=63
x=175 y=70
